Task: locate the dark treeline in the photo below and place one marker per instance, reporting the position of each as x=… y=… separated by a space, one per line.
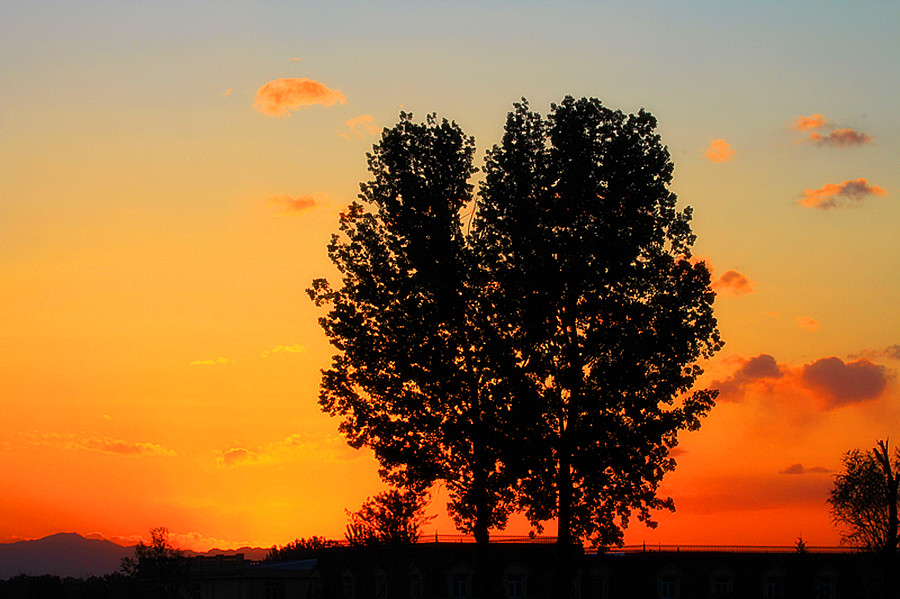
x=111 y=586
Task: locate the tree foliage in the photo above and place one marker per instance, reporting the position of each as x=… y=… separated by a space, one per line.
x=592 y=274
x=864 y=499
x=542 y=361
x=298 y=549
x=158 y=569
x=415 y=378
x=390 y=518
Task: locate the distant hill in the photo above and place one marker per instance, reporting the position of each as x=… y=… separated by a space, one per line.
x=70 y=554
x=64 y=554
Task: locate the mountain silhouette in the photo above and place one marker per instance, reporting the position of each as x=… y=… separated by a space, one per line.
x=63 y=554
x=70 y=554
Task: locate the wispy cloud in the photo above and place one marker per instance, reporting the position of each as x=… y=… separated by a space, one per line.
x=840 y=195
x=235 y=456
x=751 y=372
x=808 y=123
x=196 y=541
x=840 y=137
x=808 y=323
x=293 y=204
x=359 y=126
x=843 y=136
x=101 y=444
x=279 y=96
x=799 y=469
x=731 y=282
x=734 y=283
x=891 y=352
x=296 y=447
x=296 y=348
x=213 y=362
x=740 y=492
x=719 y=150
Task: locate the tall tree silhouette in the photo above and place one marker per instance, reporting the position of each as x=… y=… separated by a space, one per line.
x=418 y=373
x=592 y=270
x=865 y=500
x=548 y=357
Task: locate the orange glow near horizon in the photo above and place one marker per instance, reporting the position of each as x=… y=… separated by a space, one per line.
x=170 y=180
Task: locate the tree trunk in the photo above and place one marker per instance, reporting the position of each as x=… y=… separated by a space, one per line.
x=889 y=551
x=481 y=583
x=567 y=430
x=564 y=571
x=481 y=577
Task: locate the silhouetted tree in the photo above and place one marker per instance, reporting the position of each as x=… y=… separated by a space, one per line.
x=158 y=569
x=414 y=378
x=551 y=352
x=390 y=518
x=592 y=274
x=418 y=376
x=298 y=549
x=865 y=501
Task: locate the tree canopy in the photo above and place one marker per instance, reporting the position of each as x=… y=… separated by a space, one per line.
x=415 y=377
x=393 y=517
x=541 y=360
x=591 y=264
x=158 y=570
x=864 y=499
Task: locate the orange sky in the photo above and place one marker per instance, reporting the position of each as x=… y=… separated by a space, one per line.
x=170 y=177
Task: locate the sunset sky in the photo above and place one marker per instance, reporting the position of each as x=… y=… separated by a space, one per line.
x=170 y=174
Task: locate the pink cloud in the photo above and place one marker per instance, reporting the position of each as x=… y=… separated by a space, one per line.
x=761 y=369
x=805 y=322
x=296 y=447
x=829 y=382
x=799 y=469
x=837 y=137
x=235 y=456
x=279 y=96
x=734 y=283
x=359 y=126
x=840 y=137
x=101 y=444
x=807 y=123
x=293 y=204
x=719 y=150
x=842 y=383
x=839 y=195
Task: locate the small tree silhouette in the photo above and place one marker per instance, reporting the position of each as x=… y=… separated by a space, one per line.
x=865 y=501
x=390 y=518
x=158 y=569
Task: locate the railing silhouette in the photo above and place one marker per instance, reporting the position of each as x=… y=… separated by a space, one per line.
x=644 y=547
x=628 y=549
x=658 y=548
